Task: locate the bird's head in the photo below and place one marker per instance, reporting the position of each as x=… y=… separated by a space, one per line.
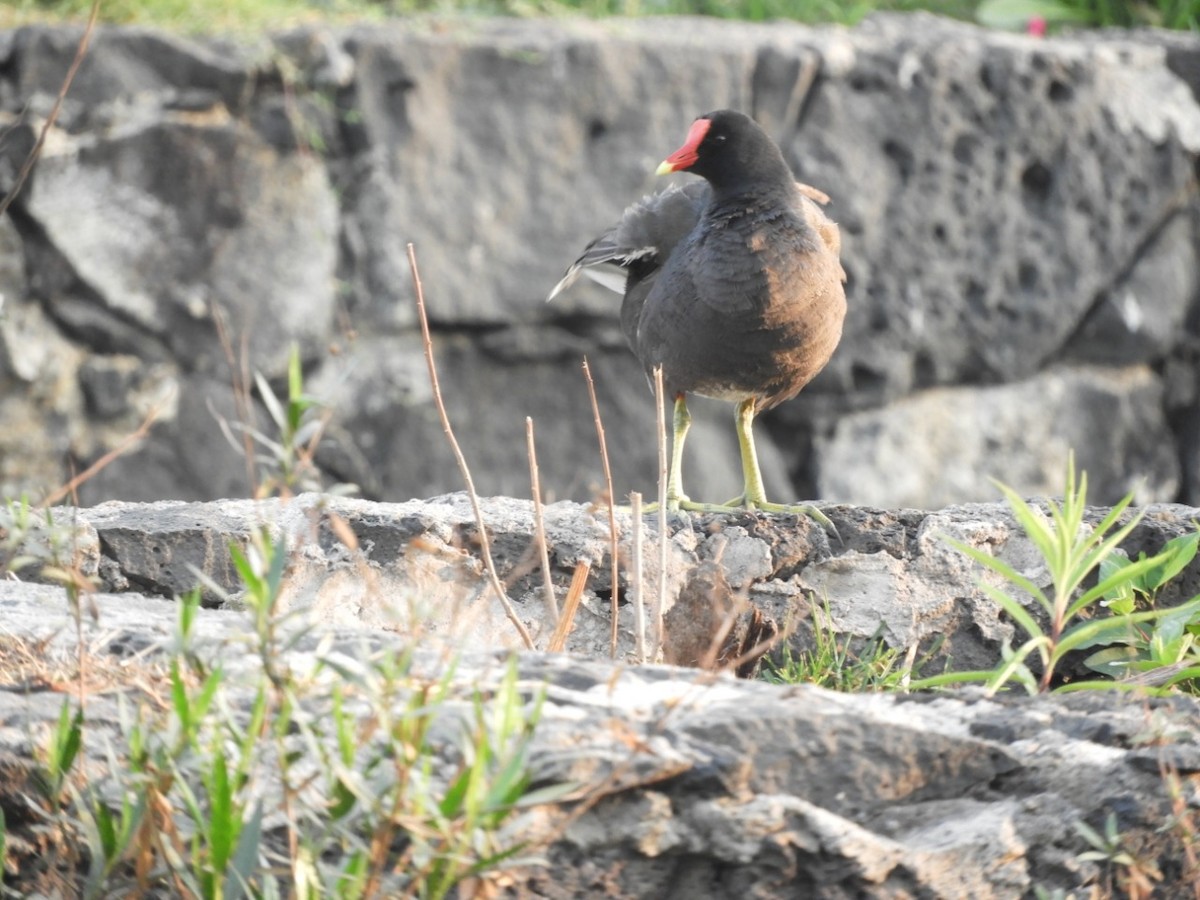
x=729 y=149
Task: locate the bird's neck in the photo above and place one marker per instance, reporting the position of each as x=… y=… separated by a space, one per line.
x=757 y=194
x=768 y=179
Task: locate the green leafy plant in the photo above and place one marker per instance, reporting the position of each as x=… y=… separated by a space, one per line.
x=1072 y=553
x=1163 y=651
x=16 y=528
x=284 y=459
x=286 y=462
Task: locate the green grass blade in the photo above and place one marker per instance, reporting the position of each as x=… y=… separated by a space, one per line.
x=1188 y=674
x=270 y=401
x=1104 y=548
x=1014 y=666
x=1031 y=523
x=222 y=830
x=1096 y=685
x=245 y=857
x=1015 y=610
x=949 y=678
x=1001 y=568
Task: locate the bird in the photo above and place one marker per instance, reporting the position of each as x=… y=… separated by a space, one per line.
x=732 y=284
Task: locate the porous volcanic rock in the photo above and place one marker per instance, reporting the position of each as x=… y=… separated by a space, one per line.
x=1016 y=213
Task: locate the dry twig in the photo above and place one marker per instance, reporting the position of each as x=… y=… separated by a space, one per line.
x=570 y=606
x=239 y=371
x=485 y=547
x=656 y=618
x=639 y=595
x=614 y=535
x=36 y=151
x=127 y=444
x=540 y=523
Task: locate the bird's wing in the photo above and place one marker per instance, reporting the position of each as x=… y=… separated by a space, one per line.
x=825 y=227
x=813 y=193
x=647 y=233
x=767 y=266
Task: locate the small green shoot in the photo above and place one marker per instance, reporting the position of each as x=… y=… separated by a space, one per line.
x=285 y=460
x=15 y=530
x=60 y=753
x=346 y=759
x=1135 y=876
x=830 y=663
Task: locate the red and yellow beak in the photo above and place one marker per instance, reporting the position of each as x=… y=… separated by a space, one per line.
x=685 y=157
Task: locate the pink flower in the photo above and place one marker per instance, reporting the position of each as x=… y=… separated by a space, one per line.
x=1036 y=26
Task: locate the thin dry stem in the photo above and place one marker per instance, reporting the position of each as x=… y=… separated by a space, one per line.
x=656 y=617
x=716 y=645
x=121 y=449
x=570 y=606
x=639 y=595
x=36 y=151
x=485 y=547
x=540 y=523
x=910 y=659
x=758 y=650
x=6 y=201
x=613 y=535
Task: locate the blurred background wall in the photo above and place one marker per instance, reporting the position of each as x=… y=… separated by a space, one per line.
x=1020 y=221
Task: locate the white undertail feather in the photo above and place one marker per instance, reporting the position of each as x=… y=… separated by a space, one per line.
x=602 y=263
x=567 y=280
x=609 y=277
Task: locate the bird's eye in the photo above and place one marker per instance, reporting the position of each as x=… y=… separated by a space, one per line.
x=718 y=137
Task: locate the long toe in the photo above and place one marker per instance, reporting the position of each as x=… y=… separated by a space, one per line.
x=674 y=504
x=803 y=509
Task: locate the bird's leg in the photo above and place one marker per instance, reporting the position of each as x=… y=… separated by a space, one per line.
x=754 y=495
x=680 y=423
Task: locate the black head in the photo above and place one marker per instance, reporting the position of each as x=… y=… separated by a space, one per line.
x=730 y=150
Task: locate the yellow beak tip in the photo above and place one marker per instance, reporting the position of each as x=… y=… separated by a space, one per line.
x=664 y=168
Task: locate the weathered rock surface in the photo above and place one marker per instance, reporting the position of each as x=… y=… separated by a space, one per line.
x=693 y=785
x=416 y=568
x=1020 y=224
x=945 y=443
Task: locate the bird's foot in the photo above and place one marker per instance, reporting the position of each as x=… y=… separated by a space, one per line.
x=674 y=504
x=800 y=509
x=741 y=504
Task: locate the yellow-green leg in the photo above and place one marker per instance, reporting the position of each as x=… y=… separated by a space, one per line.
x=681 y=421
x=754 y=495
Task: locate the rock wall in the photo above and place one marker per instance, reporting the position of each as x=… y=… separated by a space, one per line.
x=1020 y=221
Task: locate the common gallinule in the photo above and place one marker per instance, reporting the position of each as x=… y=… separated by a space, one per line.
x=732 y=285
